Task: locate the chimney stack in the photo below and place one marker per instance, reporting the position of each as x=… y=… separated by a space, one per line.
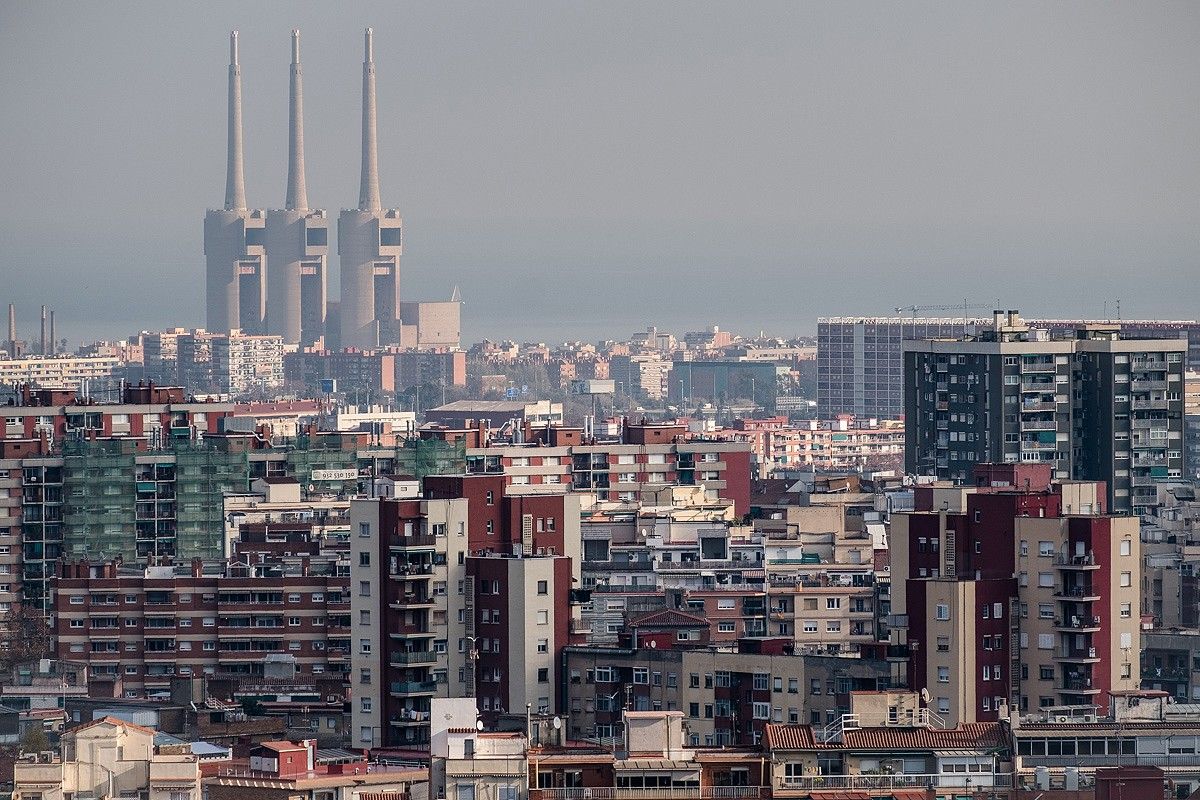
x=43 y=350
x=12 y=330
x=297 y=191
x=235 y=183
x=368 y=193
x=53 y=346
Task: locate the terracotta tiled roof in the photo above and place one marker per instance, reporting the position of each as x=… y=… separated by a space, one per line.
x=969 y=736
x=668 y=618
x=113 y=721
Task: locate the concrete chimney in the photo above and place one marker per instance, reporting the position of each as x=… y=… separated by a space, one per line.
x=297 y=190
x=43 y=350
x=235 y=182
x=53 y=346
x=368 y=193
x=12 y=330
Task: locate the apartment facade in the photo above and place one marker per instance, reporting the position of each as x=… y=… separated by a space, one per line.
x=1095 y=407
x=860 y=367
x=461 y=594
x=727 y=697
x=1010 y=601
x=141 y=627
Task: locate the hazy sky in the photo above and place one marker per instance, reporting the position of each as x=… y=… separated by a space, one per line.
x=588 y=169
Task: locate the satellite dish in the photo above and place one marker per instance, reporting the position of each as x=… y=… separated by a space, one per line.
x=557 y=723
x=924 y=695
x=478 y=724
x=653 y=644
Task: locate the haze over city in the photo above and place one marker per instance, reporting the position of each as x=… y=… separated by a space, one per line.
x=826 y=158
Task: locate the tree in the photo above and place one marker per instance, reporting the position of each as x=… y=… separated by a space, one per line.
x=26 y=636
x=34 y=740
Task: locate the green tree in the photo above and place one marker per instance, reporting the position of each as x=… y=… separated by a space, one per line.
x=34 y=740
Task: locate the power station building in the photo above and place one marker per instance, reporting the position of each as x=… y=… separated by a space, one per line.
x=268 y=271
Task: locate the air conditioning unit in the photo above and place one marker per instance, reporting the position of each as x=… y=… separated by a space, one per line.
x=1089 y=717
x=1062 y=718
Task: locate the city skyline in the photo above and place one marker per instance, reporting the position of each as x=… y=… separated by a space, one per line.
x=635 y=149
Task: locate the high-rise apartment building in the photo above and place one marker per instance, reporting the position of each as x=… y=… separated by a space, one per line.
x=1018 y=592
x=1094 y=407
x=461 y=594
x=860 y=366
x=243 y=363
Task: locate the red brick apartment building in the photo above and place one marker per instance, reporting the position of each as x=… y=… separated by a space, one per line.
x=283 y=596
x=462 y=594
x=1019 y=593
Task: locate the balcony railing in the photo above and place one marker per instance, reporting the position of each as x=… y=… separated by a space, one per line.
x=677 y=793
x=899 y=781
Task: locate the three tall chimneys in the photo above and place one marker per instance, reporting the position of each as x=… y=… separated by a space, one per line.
x=47 y=345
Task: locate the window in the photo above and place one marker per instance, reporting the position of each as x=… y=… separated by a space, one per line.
x=364 y=530
x=364 y=589
x=364 y=704
x=1046 y=580
x=1126 y=547
x=832 y=603
x=364 y=559
x=543 y=618
x=543 y=645
x=390 y=237
x=943 y=674
x=944 y=702
x=293 y=622
x=726 y=603
x=943 y=612
x=1046 y=673
x=364 y=646
x=1045 y=641
x=364 y=617
x=1126 y=610
x=762 y=710
x=1045 y=611
x=810 y=626
x=641 y=675
x=1126 y=578
x=543 y=587
x=364 y=676
x=722 y=627
x=1046 y=549
x=543 y=675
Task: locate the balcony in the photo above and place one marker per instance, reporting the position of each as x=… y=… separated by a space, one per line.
x=413 y=542
x=1082 y=655
x=1149 y=405
x=974 y=780
x=1030 y=407
x=403 y=570
x=407 y=658
x=1077 y=686
x=1087 y=562
x=1078 y=624
x=403 y=601
x=1083 y=594
x=413 y=687
x=677 y=793
x=1039 y=425
x=1144 y=385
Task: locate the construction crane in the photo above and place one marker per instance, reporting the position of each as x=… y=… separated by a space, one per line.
x=964 y=307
